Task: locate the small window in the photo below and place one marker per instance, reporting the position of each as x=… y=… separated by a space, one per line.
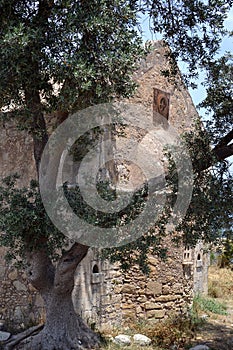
x=187 y=253
x=199 y=256
x=95 y=269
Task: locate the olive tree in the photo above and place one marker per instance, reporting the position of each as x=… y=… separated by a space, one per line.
x=65 y=55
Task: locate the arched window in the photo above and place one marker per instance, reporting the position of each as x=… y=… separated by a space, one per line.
x=95 y=269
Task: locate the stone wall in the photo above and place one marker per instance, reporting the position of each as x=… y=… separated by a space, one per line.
x=103 y=294
x=107 y=297
x=16 y=153
x=20 y=305
x=95 y=295
x=111 y=297
x=182 y=111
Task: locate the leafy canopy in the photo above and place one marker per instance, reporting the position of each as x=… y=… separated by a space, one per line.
x=88 y=50
x=66 y=49
x=24 y=221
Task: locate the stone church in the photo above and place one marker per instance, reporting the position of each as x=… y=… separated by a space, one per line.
x=103 y=294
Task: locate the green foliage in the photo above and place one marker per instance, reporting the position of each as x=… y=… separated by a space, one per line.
x=213 y=258
x=219 y=99
x=78 y=53
x=75 y=53
x=210 y=210
x=198 y=141
x=209 y=305
x=193 y=29
x=24 y=221
x=95 y=217
x=135 y=252
x=226 y=258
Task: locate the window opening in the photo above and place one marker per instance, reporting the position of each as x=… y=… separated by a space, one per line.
x=95 y=269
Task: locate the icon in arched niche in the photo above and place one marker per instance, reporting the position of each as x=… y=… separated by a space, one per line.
x=161 y=104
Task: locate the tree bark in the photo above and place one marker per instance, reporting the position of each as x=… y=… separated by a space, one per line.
x=63 y=329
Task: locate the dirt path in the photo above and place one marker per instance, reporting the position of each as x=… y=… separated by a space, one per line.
x=217 y=332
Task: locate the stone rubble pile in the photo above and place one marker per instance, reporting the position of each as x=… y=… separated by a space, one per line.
x=142 y=340
x=138 y=339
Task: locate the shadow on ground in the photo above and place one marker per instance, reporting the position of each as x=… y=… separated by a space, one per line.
x=216 y=335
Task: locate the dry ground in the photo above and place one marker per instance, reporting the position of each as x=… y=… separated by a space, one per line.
x=217 y=332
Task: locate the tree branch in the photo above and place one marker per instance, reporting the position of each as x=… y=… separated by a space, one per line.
x=223 y=152
x=225 y=140
x=224 y=149
x=220 y=152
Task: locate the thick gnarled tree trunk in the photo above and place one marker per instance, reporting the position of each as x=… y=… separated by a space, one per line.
x=63 y=329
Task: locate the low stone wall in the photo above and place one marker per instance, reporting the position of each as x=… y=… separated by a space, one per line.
x=20 y=305
x=163 y=292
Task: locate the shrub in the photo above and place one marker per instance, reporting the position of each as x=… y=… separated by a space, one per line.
x=177 y=330
x=214 y=290
x=220 y=282
x=209 y=305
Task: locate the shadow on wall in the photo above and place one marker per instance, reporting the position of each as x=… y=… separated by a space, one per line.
x=88 y=288
x=196 y=262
